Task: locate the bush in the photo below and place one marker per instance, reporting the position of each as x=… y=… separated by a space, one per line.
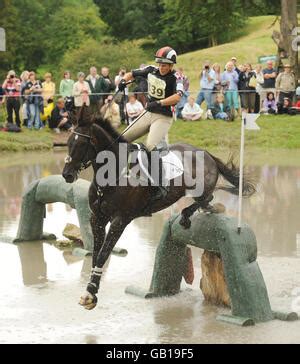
x=128 y=54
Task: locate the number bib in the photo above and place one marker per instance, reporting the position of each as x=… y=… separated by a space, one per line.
x=156 y=87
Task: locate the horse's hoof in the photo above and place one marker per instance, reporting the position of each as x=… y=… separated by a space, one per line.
x=185 y=223
x=217 y=208
x=88 y=301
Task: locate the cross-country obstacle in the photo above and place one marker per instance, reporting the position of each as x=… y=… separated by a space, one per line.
x=230 y=273
x=54 y=189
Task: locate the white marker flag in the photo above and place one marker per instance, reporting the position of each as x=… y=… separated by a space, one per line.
x=251 y=121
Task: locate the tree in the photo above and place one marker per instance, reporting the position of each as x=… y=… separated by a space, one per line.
x=69 y=26
x=284 y=38
x=127 y=54
x=129 y=19
x=190 y=24
x=23 y=21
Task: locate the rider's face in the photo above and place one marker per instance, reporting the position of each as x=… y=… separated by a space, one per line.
x=164 y=69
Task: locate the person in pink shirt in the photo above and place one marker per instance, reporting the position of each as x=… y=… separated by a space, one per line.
x=12 y=90
x=81 y=91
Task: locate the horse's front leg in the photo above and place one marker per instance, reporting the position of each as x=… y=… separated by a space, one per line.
x=98 y=224
x=117 y=227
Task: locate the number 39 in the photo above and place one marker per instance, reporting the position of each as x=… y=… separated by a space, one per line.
x=156 y=92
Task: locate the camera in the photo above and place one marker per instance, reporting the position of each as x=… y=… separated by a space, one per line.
x=11 y=76
x=206 y=67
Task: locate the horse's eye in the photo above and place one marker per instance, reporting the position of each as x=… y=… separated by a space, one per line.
x=68 y=159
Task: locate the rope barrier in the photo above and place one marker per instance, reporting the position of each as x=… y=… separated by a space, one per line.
x=263 y=90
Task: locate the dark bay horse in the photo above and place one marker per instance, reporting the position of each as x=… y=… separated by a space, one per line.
x=119 y=205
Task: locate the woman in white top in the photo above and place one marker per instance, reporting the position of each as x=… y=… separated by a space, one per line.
x=81 y=91
x=134 y=108
x=259 y=87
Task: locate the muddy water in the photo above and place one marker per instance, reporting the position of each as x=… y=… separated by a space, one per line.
x=40 y=284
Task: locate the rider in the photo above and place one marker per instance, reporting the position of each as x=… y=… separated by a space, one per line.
x=164 y=90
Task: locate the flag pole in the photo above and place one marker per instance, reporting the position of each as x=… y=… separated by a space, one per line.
x=244 y=116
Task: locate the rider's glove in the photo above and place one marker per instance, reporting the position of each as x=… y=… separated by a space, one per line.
x=152 y=106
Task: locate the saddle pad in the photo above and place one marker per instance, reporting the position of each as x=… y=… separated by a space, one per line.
x=172 y=165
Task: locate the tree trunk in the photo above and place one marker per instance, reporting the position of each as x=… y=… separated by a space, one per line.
x=288 y=23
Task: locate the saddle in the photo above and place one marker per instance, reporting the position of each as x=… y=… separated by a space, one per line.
x=159 y=166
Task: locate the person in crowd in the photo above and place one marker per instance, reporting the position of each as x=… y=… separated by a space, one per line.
x=186 y=85
x=92 y=80
x=46 y=115
x=119 y=77
x=207 y=84
x=12 y=89
x=269 y=104
x=218 y=79
x=286 y=84
x=285 y=107
x=235 y=66
x=48 y=89
x=60 y=117
x=33 y=90
x=230 y=80
x=247 y=86
x=110 y=112
x=81 y=91
x=105 y=84
x=66 y=85
x=134 y=108
x=259 y=88
x=192 y=111
x=2 y=93
x=296 y=107
x=270 y=75
x=121 y=99
x=220 y=110
x=24 y=110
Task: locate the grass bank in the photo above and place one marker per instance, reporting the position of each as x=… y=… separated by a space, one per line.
x=277 y=132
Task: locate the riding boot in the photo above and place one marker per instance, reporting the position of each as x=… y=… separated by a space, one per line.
x=160 y=189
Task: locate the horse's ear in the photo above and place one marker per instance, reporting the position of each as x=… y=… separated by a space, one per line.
x=84 y=116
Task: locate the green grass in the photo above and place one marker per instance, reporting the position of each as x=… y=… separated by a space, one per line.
x=277 y=132
x=27 y=140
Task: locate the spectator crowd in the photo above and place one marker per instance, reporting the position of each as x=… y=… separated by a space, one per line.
x=226 y=92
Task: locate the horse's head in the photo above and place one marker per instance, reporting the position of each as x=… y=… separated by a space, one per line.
x=81 y=150
x=91 y=136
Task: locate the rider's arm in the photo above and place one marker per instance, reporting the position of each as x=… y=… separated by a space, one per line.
x=170 y=101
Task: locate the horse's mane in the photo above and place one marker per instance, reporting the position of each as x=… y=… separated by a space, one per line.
x=106 y=125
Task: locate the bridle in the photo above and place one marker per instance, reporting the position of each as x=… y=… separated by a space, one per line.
x=84 y=164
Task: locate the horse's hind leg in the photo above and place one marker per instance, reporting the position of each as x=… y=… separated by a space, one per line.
x=202 y=202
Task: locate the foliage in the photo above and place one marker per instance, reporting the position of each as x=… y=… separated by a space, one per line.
x=129 y=19
x=126 y=54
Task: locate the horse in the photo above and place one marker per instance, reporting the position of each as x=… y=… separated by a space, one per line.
x=119 y=205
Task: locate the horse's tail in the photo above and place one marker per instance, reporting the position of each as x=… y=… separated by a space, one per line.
x=231 y=172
